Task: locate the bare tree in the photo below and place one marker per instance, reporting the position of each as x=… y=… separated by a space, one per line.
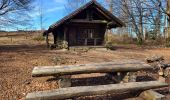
x=139 y=15
x=134 y=12
x=164 y=8
x=42 y=17
x=14 y=12
x=74 y=4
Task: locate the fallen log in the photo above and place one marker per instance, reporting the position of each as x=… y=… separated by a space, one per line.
x=115 y=66
x=71 y=92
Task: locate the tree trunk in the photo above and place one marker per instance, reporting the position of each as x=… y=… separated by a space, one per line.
x=55 y=40
x=168 y=19
x=47 y=40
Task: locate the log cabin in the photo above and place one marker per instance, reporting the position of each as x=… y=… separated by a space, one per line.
x=85 y=26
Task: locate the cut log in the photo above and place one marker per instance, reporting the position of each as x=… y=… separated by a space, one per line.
x=71 y=92
x=115 y=66
x=152 y=95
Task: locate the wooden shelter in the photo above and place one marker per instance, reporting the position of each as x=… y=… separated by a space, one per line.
x=85 y=26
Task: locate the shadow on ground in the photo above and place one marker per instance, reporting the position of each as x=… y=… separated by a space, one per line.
x=24 y=48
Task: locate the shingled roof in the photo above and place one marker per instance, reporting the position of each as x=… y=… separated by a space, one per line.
x=93 y=2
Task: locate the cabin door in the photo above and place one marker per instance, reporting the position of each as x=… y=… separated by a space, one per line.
x=87 y=36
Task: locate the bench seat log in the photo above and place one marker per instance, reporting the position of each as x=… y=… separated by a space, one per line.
x=71 y=92
x=107 y=67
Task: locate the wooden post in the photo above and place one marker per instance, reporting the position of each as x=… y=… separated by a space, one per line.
x=95 y=41
x=65 y=33
x=64 y=81
x=55 y=40
x=47 y=40
x=68 y=37
x=119 y=76
x=116 y=77
x=85 y=42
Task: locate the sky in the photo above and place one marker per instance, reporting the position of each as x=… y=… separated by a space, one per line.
x=52 y=11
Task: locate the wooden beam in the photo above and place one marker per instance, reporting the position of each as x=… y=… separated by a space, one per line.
x=47 y=40
x=152 y=95
x=64 y=81
x=107 y=67
x=95 y=42
x=65 y=33
x=108 y=17
x=71 y=92
x=101 y=16
x=88 y=21
x=55 y=40
x=85 y=42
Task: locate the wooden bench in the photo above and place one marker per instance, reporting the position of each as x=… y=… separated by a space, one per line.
x=106 y=67
x=71 y=92
x=120 y=69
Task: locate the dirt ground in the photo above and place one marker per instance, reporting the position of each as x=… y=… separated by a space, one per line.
x=19 y=56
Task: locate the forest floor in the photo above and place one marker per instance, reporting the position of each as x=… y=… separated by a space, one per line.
x=19 y=56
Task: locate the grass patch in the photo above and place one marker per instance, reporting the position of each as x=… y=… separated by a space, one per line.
x=39 y=38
